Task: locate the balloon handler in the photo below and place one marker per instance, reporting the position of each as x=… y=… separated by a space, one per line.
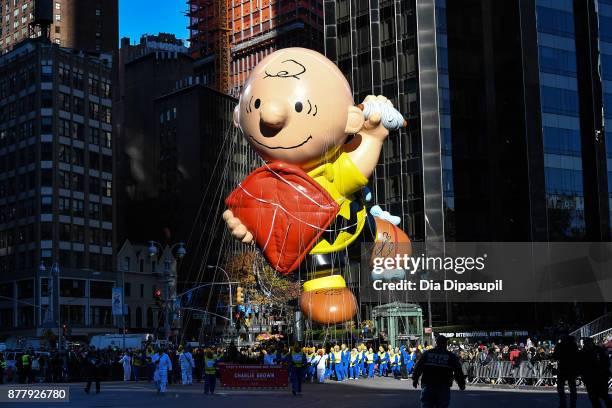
x=298 y=113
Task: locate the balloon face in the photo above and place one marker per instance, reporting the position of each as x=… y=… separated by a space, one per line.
x=294 y=107
x=329 y=306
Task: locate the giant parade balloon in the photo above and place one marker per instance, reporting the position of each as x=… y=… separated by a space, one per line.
x=319 y=150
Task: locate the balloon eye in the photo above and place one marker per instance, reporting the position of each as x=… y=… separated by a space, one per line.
x=298 y=107
x=257 y=103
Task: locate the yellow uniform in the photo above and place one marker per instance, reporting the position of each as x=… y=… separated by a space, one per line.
x=341 y=179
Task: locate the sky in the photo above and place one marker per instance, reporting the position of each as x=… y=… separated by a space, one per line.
x=137 y=17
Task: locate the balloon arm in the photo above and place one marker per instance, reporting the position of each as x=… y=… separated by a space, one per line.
x=364 y=152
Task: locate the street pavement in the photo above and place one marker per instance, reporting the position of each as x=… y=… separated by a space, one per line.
x=375 y=393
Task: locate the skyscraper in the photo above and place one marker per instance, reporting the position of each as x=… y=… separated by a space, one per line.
x=506 y=102
x=90 y=26
x=56 y=189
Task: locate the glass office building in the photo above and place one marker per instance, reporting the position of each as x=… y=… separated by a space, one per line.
x=605 y=47
x=560 y=119
x=506 y=102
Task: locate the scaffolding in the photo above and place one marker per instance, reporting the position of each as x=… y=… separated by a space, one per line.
x=210 y=35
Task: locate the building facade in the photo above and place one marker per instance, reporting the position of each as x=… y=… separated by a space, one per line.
x=89 y=26
x=255 y=29
x=56 y=188
x=506 y=103
x=147 y=70
x=142 y=276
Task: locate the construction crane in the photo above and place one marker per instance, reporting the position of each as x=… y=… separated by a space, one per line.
x=218 y=32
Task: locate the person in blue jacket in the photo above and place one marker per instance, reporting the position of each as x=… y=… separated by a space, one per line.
x=362 y=359
x=346 y=357
x=370 y=360
x=383 y=362
x=297 y=363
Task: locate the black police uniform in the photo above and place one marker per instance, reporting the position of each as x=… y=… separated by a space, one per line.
x=438 y=367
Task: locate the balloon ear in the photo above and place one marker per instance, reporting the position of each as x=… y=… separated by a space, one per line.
x=354 y=120
x=237 y=116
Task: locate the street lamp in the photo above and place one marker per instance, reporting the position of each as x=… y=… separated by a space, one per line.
x=53 y=274
x=153 y=251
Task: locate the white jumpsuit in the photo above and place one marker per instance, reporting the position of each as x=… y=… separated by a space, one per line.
x=164 y=366
x=186 y=362
x=126 y=360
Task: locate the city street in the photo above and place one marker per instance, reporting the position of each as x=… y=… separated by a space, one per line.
x=355 y=394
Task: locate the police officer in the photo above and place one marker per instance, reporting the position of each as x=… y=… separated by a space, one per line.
x=210 y=372
x=93 y=362
x=297 y=362
x=26 y=362
x=595 y=371
x=438 y=367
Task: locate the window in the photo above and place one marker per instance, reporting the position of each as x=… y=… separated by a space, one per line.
x=74 y=315
x=557 y=61
x=149 y=317
x=107 y=188
x=128 y=288
x=77 y=207
x=138 y=317
x=554 y=21
x=64 y=206
x=94 y=210
x=101 y=316
x=100 y=289
x=141 y=288
x=25 y=289
x=559 y=101
x=126 y=263
x=72 y=288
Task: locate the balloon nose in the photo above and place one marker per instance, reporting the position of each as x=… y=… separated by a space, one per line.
x=273 y=114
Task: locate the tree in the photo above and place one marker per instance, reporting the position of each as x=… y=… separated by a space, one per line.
x=263 y=285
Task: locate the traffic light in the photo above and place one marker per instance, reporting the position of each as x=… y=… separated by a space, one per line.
x=64 y=329
x=239 y=296
x=157 y=297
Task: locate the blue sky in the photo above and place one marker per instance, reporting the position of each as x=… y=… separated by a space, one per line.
x=137 y=17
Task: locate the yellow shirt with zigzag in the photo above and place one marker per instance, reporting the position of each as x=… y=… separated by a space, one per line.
x=341 y=179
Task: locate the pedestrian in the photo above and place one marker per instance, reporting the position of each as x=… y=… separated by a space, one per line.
x=126 y=362
x=346 y=357
x=164 y=365
x=138 y=362
x=210 y=372
x=26 y=367
x=383 y=362
x=354 y=365
x=297 y=362
x=566 y=353
x=2 y=368
x=337 y=361
x=320 y=364
x=595 y=371
x=187 y=364
x=93 y=362
x=369 y=361
x=362 y=360
x=437 y=367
